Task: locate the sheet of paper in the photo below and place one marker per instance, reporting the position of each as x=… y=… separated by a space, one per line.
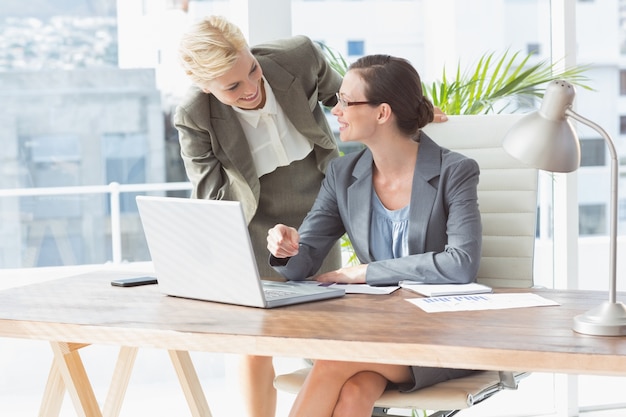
x=480 y=302
x=365 y=289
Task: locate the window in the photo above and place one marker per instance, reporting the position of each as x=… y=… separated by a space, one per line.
x=533 y=48
x=125 y=163
x=622 y=125
x=622 y=88
x=592 y=219
x=593 y=152
x=356 y=48
x=53 y=236
x=53 y=160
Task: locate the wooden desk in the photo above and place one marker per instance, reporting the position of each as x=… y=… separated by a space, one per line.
x=86 y=309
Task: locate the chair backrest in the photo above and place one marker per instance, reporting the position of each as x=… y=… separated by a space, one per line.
x=507 y=196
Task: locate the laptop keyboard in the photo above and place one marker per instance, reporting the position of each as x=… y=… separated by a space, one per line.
x=273 y=293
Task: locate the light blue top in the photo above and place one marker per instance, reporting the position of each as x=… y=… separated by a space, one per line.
x=389 y=237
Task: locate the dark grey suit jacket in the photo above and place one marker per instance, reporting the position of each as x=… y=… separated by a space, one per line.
x=214 y=148
x=445 y=232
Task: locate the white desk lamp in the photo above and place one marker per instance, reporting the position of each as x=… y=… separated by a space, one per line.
x=546 y=140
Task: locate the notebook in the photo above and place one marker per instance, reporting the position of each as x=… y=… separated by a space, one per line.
x=201 y=249
x=438 y=290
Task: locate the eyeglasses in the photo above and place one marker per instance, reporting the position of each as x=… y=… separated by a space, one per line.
x=345 y=104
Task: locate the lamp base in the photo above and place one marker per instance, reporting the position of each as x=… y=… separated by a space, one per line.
x=608 y=319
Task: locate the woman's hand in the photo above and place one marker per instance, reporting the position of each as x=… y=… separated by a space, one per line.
x=283 y=241
x=345 y=275
x=439 y=116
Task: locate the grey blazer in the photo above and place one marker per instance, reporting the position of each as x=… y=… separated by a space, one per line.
x=214 y=148
x=445 y=232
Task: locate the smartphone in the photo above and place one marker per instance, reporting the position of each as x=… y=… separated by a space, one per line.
x=134 y=281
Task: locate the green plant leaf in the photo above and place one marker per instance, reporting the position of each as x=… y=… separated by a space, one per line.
x=498 y=82
x=334 y=58
x=346 y=246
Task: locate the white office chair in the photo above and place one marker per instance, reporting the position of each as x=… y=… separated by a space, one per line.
x=507 y=197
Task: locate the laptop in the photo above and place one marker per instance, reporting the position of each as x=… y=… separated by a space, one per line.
x=201 y=249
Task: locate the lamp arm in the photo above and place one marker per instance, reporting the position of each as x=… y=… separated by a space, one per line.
x=613 y=203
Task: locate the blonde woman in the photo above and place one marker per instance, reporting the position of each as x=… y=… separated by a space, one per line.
x=252 y=129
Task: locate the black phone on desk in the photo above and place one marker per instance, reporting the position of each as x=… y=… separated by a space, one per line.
x=134 y=281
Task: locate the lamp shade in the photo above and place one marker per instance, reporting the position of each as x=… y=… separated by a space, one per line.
x=545 y=139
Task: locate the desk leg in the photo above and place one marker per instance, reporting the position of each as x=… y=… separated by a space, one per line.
x=190 y=383
x=72 y=371
x=119 y=382
x=53 y=394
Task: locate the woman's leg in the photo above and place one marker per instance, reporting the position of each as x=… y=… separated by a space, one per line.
x=256 y=375
x=322 y=389
x=359 y=394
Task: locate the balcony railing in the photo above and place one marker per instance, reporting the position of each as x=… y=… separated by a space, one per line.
x=59 y=225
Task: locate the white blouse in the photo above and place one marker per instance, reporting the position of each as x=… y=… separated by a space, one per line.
x=273 y=139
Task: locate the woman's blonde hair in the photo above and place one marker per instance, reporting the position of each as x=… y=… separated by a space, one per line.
x=210 y=48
